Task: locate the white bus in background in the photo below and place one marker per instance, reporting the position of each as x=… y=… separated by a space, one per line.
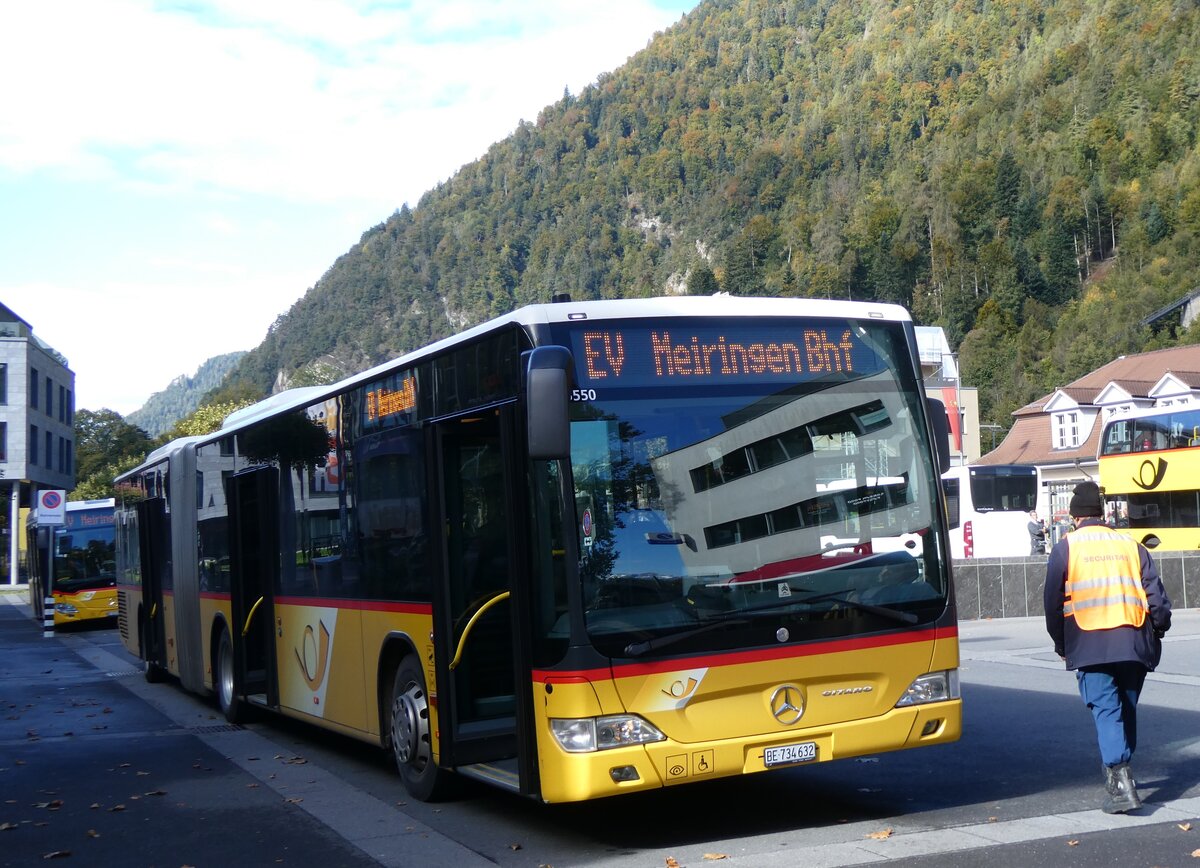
x=988 y=509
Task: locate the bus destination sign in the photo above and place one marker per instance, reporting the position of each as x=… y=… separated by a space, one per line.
x=390 y=398
x=642 y=356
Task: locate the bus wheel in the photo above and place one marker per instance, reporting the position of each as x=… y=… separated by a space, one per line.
x=150 y=670
x=411 y=743
x=227 y=699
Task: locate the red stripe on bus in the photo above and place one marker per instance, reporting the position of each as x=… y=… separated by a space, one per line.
x=758 y=655
x=214 y=595
x=360 y=605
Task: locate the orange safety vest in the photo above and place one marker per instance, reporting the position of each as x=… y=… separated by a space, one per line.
x=1104 y=586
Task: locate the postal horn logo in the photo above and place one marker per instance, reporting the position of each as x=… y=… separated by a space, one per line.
x=311 y=678
x=1150 y=474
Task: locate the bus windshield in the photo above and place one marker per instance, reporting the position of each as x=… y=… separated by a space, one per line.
x=84 y=559
x=781 y=491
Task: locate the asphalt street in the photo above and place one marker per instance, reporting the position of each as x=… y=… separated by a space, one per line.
x=99 y=768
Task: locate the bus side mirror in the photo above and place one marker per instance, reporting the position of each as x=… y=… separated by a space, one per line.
x=547 y=402
x=941 y=432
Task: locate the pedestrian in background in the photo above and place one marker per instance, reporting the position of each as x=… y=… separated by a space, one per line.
x=1037 y=534
x=1106 y=612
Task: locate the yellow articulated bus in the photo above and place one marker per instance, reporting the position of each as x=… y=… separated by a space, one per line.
x=580 y=550
x=75 y=562
x=1150 y=473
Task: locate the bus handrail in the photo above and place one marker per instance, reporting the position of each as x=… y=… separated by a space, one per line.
x=250 y=617
x=462 y=641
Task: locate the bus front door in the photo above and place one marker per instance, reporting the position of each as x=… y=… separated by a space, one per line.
x=253 y=499
x=482 y=660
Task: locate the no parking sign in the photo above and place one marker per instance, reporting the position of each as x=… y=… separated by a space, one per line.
x=51 y=507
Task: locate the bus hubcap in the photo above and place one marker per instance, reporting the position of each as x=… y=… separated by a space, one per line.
x=226 y=674
x=410 y=727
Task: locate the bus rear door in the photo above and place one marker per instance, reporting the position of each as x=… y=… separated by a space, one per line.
x=155 y=542
x=483 y=715
x=253 y=499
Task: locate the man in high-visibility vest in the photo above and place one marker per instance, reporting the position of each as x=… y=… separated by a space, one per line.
x=1107 y=610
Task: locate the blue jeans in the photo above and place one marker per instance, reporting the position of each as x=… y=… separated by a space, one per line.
x=1111 y=693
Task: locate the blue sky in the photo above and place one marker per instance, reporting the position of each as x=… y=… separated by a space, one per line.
x=175 y=175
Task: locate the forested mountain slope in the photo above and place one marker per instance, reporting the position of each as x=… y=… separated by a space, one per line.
x=183 y=395
x=977 y=161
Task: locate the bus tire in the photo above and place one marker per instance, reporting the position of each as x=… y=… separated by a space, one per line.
x=412 y=745
x=150 y=670
x=223 y=684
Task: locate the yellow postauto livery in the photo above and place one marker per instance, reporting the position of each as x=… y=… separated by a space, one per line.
x=580 y=550
x=75 y=562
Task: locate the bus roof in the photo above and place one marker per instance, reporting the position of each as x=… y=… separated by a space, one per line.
x=1121 y=415
x=722 y=306
x=991 y=470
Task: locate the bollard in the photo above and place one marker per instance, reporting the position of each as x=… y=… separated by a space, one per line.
x=48 y=618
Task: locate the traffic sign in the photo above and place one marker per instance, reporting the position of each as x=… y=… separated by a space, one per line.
x=51 y=507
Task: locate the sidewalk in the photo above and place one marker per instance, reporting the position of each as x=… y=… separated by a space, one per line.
x=90 y=771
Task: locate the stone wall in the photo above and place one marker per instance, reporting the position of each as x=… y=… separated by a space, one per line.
x=1012 y=587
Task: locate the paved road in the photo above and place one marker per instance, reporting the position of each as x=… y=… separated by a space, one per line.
x=82 y=728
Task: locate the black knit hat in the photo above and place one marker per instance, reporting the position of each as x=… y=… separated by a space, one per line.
x=1085 y=500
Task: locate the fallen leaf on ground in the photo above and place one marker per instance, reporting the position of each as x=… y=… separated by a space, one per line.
x=514 y=846
x=671 y=862
x=1196 y=854
x=92 y=833
x=1185 y=827
x=155 y=793
x=712 y=857
x=56 y=854
x=116 y=808
x=1072 y=843
x=7 y=827
x=881 y=835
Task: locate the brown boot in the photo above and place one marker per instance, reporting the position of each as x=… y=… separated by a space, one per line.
x=1120 y=792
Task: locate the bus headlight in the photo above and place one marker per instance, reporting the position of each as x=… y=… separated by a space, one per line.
x=587 y=734
x=65 y=608
x=932 y=687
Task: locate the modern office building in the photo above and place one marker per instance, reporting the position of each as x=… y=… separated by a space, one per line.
x=37 y=440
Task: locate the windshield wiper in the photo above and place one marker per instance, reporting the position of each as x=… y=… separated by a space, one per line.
x=637 y=649
x=894 y=614
x=739 y=618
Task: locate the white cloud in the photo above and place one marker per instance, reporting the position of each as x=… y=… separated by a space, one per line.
x=119 y=360
x=191 y=148
x=308 y=101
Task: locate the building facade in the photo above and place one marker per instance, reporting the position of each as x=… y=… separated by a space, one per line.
x=939 y=370
x=1060 y=433
x=37 y=438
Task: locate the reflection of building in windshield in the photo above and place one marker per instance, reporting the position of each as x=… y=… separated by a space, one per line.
x=830 y=468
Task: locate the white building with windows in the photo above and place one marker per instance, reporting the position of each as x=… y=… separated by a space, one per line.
x=1060 y=432
x=37 y=439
